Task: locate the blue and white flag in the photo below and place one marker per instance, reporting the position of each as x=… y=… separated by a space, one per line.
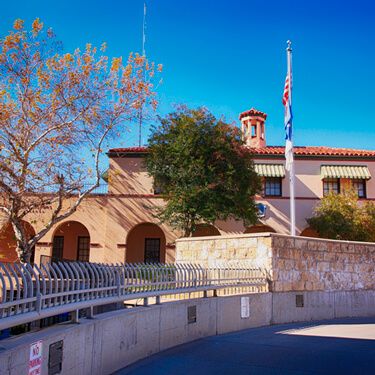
x=288 y=117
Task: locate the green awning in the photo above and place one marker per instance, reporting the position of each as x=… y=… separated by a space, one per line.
x=270 y=170
x=345 y=171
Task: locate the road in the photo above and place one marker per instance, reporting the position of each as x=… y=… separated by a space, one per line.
x=345 y=346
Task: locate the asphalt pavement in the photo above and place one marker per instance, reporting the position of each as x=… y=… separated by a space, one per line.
x=345 y=346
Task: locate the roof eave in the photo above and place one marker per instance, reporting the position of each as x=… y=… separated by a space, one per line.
x=125 y=154
x=315 y=157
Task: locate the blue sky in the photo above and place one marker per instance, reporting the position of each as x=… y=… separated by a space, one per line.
x=229 y=55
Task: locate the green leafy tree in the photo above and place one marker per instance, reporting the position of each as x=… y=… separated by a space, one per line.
x=203 y=170
x=342 y=217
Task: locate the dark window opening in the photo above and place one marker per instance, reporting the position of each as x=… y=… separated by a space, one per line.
x=272 y=187
x=58 y=247
x=331 y=185
x=253 y=131
x=158 y=190
x=83 y=249
x=360 y=187
x=152 y=250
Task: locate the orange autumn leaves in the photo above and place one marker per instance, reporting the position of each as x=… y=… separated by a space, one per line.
x=53 y=105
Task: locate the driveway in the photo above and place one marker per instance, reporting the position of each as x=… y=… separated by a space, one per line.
x=345 y=346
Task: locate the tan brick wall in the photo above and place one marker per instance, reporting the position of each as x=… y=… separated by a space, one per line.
x=292 y=263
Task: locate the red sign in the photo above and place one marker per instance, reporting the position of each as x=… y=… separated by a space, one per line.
x=35 y=360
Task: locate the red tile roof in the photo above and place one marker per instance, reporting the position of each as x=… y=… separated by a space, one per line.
x=253 y=112
x=277 y=150
x=129 y=150
x=313 y=151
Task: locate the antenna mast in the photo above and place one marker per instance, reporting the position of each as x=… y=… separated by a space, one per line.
x=144 y=55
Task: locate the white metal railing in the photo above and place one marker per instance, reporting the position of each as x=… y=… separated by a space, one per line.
x=29 y=293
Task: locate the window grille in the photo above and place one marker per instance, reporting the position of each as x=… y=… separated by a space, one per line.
x=331 y=185
x=83 y=249
x=360 y=187
x=272 y=187
x=58 y=247
x=152 y=250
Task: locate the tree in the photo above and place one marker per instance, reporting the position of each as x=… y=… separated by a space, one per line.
x=202 y=169
x=342 y=217
x=53 y=105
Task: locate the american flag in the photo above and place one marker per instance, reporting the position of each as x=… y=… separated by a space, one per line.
x=288 y=117
x=286 y=91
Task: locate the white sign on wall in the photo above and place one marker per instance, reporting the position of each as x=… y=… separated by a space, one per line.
x=35 y=360
x=245 y=307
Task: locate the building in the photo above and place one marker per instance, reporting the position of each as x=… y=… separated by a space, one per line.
x=120 y=225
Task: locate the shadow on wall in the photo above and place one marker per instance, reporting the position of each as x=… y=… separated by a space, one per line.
x=259 y=228
x=309 y=232
x=71 y=241
x=8 y=242
x=145 y=243
x=203 y=230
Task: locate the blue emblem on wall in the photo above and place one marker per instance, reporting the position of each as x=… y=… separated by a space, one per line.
x=261 y=209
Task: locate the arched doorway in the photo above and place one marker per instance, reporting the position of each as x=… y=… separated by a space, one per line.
x=145 y=243
x=203 y=230
x=8 y=242
x=309 y=232
x=71 y=241
x=259 y=228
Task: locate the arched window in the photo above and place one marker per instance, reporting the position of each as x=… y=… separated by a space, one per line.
x=203 y=230
x=259 y=228
x=71 y=241
x=145 y=243
x=309 y=232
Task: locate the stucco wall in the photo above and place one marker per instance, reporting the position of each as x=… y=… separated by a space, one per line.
x=292 y=263
x=129 y=176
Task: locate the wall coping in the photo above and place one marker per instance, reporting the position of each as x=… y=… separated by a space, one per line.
x=269 y=234
x=226 y=236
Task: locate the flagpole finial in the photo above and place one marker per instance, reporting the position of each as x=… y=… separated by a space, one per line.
x=289 y=43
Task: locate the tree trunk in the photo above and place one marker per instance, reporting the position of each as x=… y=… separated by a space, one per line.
x=23 y=252
x=23 y=249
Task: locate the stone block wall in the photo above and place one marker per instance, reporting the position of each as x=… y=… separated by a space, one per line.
x=292 y=263
x=300 y=263
x=251 y=250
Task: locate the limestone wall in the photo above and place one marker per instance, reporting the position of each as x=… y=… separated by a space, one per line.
x=314 y=264
x=254 y=250
x=292 y=263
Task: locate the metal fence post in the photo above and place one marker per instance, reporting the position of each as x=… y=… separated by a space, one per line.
x=61 y=288
x=75 y=316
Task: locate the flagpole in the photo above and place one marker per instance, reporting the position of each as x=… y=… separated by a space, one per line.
x=291 y=171
x=144 y=56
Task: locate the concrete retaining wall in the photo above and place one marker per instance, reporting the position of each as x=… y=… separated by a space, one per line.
x=117 y=339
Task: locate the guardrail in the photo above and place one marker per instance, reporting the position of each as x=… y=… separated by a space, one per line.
x=54 y=188
x=30 y=293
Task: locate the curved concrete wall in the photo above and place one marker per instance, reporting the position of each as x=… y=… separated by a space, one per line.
x=117 y=339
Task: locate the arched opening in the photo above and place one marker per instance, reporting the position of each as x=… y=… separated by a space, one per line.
x=71 y=241
x=8 y=242
x=259 y=228
x=203 y=230
x=309 y=232
x=145 y=243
